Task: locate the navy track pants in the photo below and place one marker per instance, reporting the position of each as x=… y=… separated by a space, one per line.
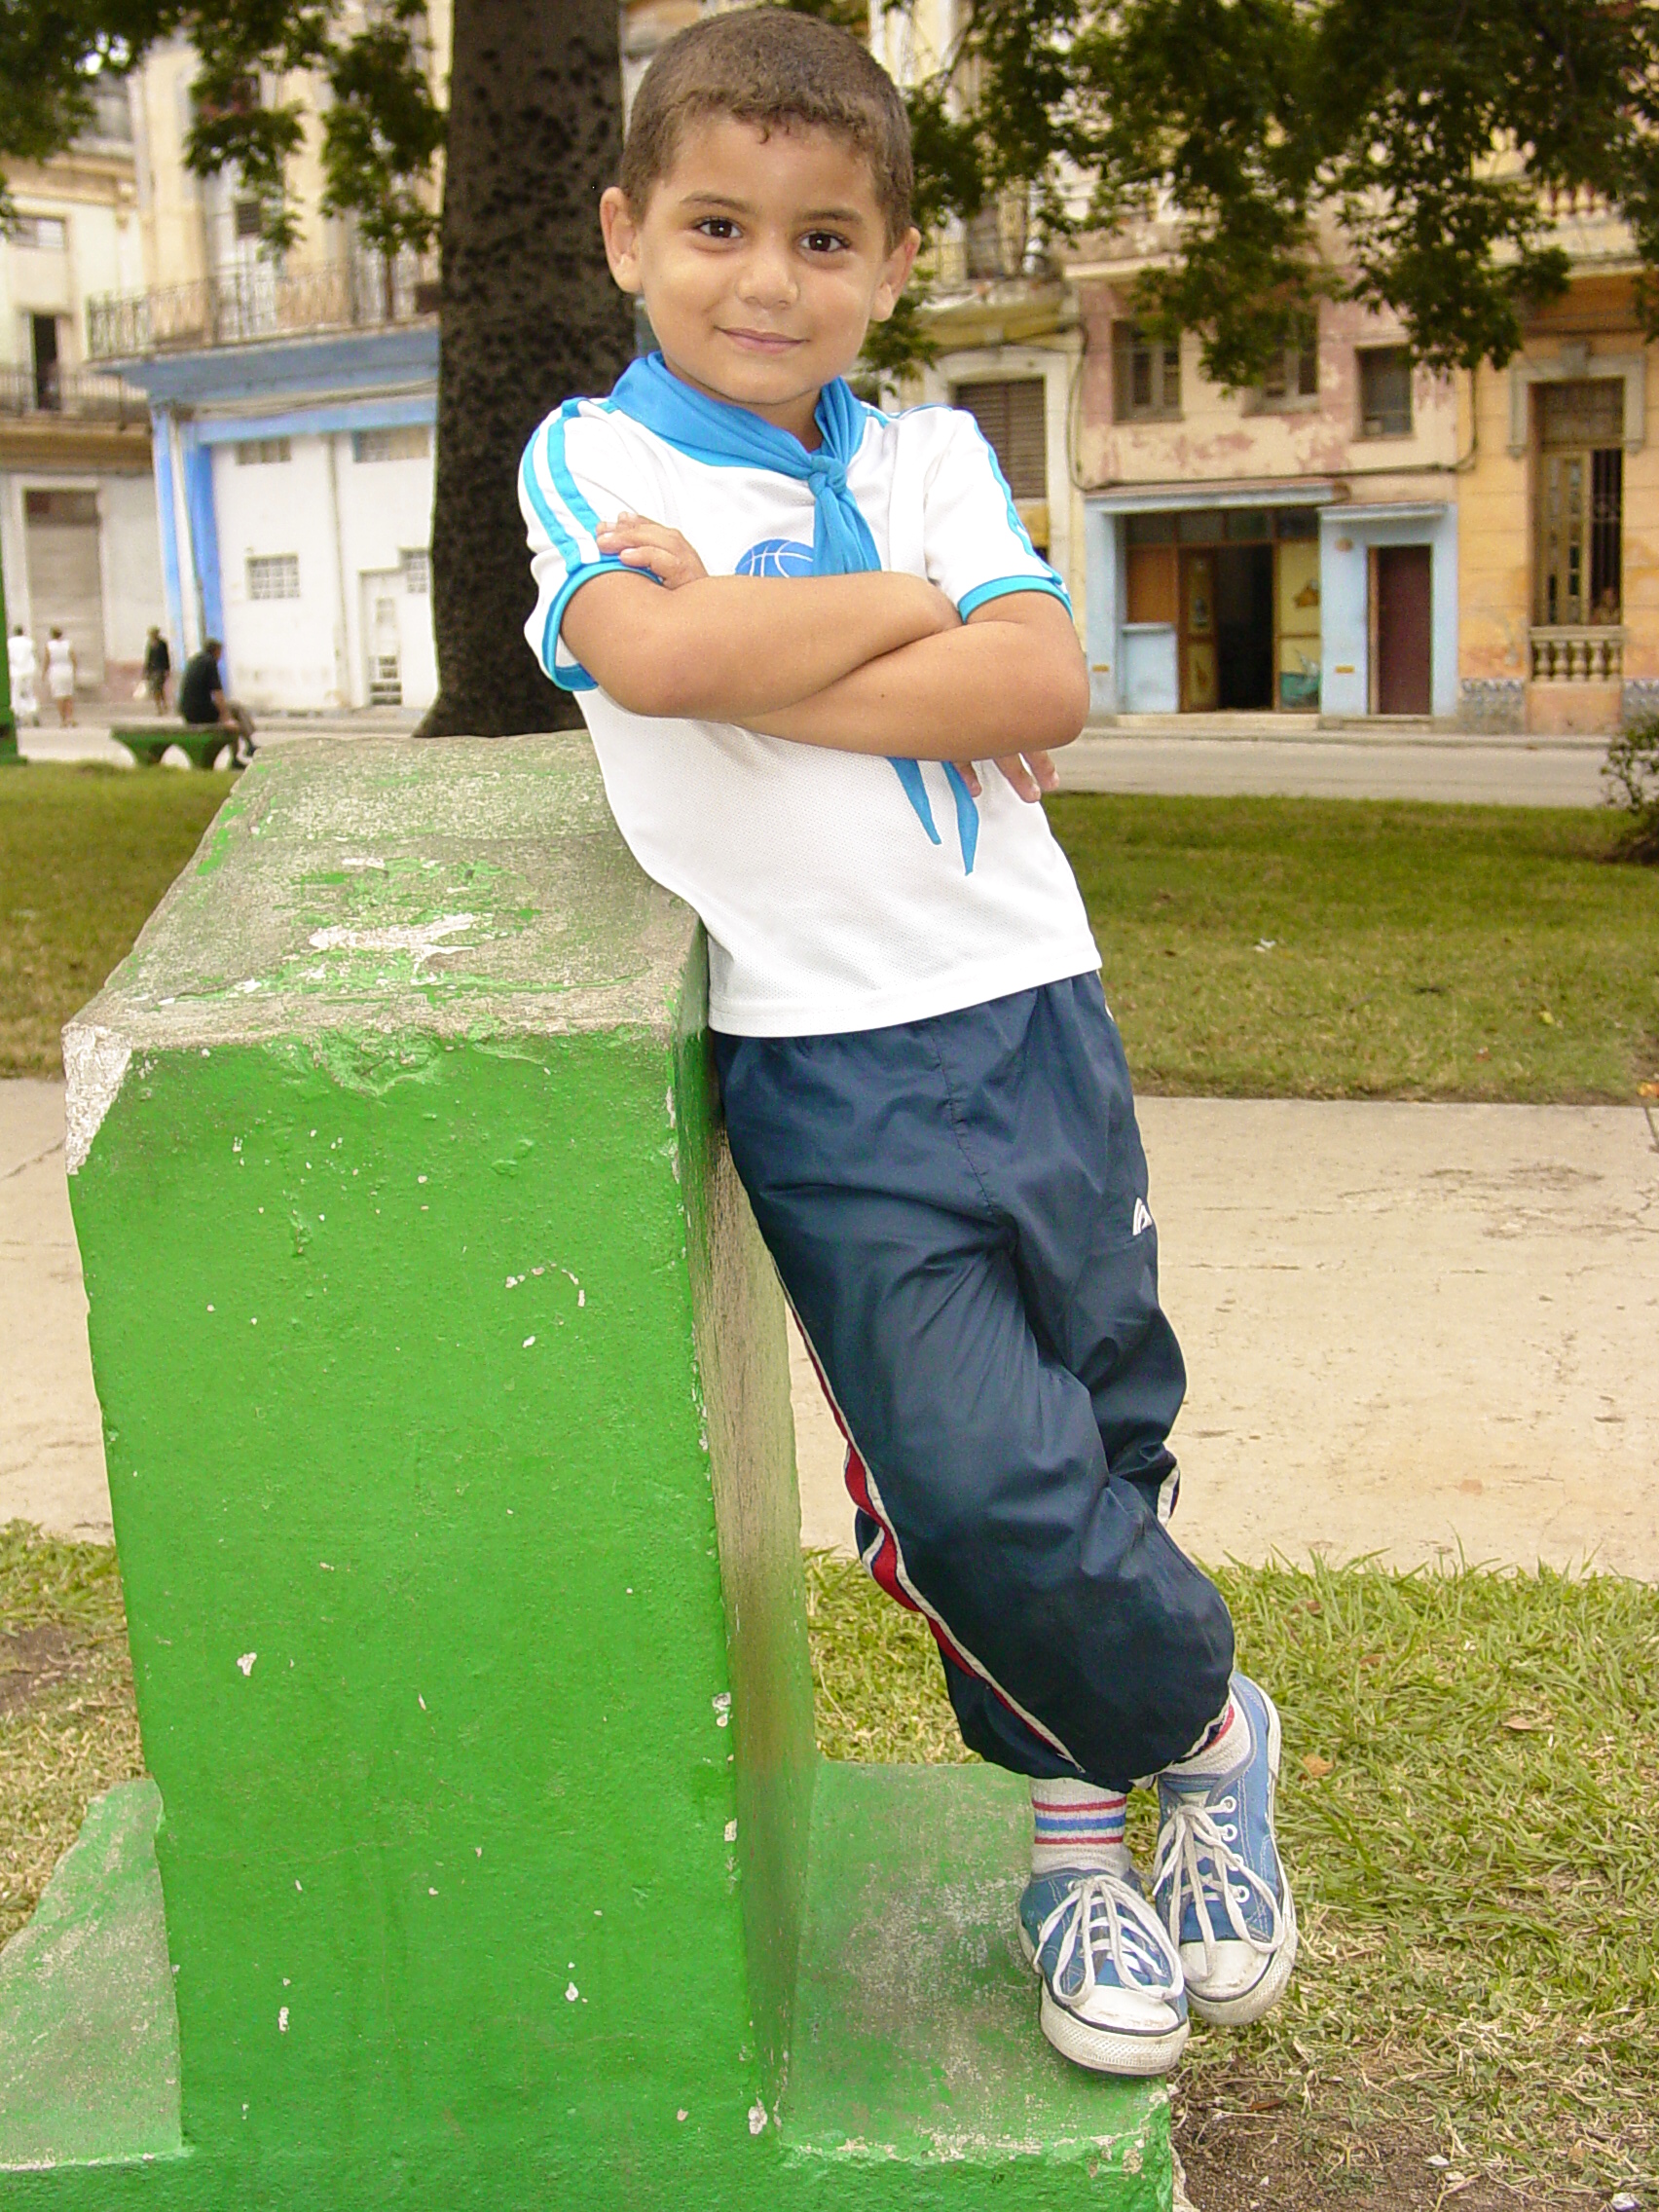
x=958 y=1210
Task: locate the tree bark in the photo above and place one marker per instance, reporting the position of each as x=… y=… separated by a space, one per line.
x=527 y=316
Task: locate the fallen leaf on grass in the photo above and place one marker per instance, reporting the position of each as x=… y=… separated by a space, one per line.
x=1524 y=1723
x=1546 y=1017
x=1648 y=1090
x=1316 y=1767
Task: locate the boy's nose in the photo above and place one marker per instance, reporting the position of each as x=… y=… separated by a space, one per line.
x=766 y=279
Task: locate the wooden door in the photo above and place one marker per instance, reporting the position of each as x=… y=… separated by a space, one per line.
x=1199 y=686
x=1404 y=629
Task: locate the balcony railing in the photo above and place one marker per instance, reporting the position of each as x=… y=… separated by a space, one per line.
x=55 y=392
x=1577 y=654
x=263 y=301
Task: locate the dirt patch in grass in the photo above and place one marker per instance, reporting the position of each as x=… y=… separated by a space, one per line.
x=1315 y=948
x=68 y=1724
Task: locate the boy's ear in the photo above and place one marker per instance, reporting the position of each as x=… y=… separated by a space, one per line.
x=621 y=238
x=895 y=275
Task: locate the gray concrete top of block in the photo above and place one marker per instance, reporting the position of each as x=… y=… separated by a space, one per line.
x=463 y=887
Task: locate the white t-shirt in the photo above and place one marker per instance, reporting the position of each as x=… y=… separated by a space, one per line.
x=839 y=891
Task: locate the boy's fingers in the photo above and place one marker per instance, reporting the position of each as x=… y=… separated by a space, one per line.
x=970 y=776
x=1019 y=776
x=1041 y=766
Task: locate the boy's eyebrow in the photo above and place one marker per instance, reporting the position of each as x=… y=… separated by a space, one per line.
x=726 y=203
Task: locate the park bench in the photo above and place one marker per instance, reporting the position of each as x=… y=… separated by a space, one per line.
x=148 y=741
x=485 y=1862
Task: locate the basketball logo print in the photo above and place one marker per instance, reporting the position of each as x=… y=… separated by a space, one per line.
x=776 y=557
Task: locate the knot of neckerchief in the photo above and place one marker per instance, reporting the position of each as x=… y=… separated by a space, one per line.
x=724 y=436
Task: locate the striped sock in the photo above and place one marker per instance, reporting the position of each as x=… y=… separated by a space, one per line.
x=1075 y=1824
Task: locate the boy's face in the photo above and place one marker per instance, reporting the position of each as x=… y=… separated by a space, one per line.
x=761 y=260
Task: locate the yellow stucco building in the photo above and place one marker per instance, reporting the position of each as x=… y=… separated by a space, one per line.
x=1559 y=509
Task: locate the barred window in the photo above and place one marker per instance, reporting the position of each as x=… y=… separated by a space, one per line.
x=417 y=569
x=408 y=442
x=273 y=576
x=262 y=453
x=46 y=234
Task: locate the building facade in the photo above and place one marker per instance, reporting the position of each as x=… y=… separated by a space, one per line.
x=292 y=403
x=78 y=539
x=1559 y=513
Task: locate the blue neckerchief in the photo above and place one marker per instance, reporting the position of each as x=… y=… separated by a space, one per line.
x=714 y=431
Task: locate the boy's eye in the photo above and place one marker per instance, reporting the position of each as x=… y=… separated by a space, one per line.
x=717 y=227
x=824 y=242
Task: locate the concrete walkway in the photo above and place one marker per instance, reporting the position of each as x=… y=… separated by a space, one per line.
x=1410 y=1330
x=1258 y=757
x=1286 y=754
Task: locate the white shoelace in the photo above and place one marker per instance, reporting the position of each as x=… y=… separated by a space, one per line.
x=1141 y=1954
x=1192 y=1836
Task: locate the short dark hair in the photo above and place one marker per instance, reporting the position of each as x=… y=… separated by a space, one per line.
x=772 y=67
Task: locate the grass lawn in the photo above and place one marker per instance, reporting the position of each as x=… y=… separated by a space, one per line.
x=85 y=854
x=1416 y=951
x=1468 y=1810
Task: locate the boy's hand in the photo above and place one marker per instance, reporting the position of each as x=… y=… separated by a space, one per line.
x=642 y=543
x=1031 y=774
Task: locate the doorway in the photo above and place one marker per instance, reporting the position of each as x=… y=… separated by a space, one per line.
x=1227 y=628
x=1403 y=599
x=60 y=552
x=1244 y=625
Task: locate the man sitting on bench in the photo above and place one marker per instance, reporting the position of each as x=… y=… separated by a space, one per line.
x=202 y=702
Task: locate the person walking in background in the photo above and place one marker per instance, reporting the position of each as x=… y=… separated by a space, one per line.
x=157 y=668
x=61 y=675
x=201 y=701
x=23 y=668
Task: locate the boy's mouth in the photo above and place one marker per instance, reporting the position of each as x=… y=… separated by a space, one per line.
x=761 y=341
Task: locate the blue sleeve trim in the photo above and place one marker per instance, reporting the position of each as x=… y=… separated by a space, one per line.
x=570 y=675
x=1001 y=587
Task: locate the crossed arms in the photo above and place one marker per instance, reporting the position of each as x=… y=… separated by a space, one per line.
x=876 y=662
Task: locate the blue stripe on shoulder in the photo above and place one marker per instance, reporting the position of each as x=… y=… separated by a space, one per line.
x=1000 y=587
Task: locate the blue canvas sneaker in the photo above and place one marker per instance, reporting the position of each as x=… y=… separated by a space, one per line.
x=1112 y=1996
x=1217 y=1882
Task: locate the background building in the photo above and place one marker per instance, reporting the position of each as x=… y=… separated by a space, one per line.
x=77 y=512
x=1560 y=508
x=292 y=400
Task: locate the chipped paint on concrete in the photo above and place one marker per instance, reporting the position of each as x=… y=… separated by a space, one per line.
x=95 y=1066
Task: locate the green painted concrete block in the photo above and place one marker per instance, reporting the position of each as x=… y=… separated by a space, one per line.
x=445 y=1393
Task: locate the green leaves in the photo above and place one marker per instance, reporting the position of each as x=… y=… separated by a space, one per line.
x=1274 y=153
x=382 y=127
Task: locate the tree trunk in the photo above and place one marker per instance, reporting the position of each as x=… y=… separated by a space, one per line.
x=528 y=316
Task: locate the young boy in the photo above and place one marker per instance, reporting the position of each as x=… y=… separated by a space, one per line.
x=794 y=625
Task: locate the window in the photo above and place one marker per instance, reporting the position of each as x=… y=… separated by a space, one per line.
x=45 y=233
x=1294 y=374
x=1146 y=375
x=112 y=111
x=417 y=569
x=1384 y=392
x=413 y=442
x=246 y=216
x=1580 y=519
x=1013 y=417
x=262 y=453
x=273 y=576
x=47 y=362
